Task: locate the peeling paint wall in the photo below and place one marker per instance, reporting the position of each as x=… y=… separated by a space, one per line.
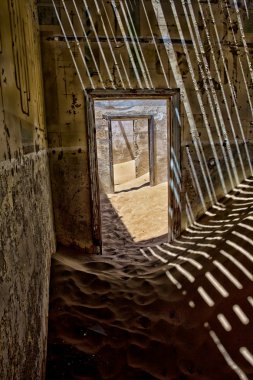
x=26 y=224
x=203 y=47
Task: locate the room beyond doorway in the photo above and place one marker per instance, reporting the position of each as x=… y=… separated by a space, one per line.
x=132 y=155
x=132 y=148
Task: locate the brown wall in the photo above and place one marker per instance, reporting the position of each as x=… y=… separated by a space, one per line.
x=212 y=69
x=67 y=141
x=26 y=225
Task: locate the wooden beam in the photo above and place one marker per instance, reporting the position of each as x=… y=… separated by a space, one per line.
x=105 y=94
x=111 y=156
x=115 y=117
x=151 y=136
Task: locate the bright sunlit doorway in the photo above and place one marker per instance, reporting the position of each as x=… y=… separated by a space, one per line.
x=134 y=144
x=130 y=146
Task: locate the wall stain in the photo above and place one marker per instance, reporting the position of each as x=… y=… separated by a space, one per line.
x=74 y=106
x=20 y=54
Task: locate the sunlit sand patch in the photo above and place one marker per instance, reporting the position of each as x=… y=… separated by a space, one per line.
x=143 y=211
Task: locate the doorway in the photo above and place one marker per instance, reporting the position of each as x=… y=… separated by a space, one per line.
x=134 y=156
x=131 y=150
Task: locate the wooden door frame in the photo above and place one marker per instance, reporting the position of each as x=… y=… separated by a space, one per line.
x=174 y=153
x=124 y=117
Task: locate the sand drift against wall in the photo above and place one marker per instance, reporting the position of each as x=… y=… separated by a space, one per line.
x=170 y=311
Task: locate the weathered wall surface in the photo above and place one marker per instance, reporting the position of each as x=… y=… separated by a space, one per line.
x=67 y=141
x=204 y=48
x=141 y=147
x=26 y=225
x=123 y=141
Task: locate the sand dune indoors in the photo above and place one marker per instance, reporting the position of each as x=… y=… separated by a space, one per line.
x=168 y=311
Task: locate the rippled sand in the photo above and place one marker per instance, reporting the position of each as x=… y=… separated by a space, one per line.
x=168 y=311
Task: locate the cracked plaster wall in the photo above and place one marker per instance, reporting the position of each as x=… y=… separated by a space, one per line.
x=26 y=224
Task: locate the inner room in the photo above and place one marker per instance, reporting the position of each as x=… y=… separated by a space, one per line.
x=126 y=190
x=132 y=155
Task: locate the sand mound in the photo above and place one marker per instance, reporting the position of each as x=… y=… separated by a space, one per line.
x=168 y=311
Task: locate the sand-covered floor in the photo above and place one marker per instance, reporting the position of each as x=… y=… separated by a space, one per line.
x=136 y=215
x=170 y=311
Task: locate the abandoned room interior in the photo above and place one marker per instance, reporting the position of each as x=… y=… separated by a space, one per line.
x=126 y=189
